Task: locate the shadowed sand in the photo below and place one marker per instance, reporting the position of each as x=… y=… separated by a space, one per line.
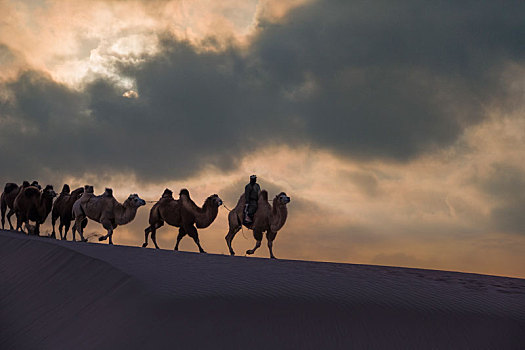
x=64 y=295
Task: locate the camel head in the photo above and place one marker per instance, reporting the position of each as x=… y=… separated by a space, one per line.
x=76 y=194
x=49 y=192
x=135 y=201
x=216 y=199
x=283 y=198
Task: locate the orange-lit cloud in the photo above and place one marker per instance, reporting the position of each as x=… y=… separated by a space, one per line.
x=74 y=40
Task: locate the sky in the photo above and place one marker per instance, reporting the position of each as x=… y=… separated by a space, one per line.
x=397 y=128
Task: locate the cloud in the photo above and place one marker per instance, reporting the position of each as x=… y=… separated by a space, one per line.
x=375 y=81
x=505 y=186
x=391 y=79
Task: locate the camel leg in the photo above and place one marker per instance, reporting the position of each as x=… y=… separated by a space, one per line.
x=74 y=230
x=229 y=237
x=251 y=251
x=153 y=229
x=9 y=214
x=182 y=233
x=108 y=226
x=154 y=237
x=257 y=234
x=270 y=245
x=81 y=233
x=19 y=221
x=147 y=230
x=66 y=228
x=108 y=235
x=53 y=222
x=270 y=236
x=192 y=232
x=60 y=228
x=80 y=228
x=37 y=229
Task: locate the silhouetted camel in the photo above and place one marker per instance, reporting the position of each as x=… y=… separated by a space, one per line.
x=167 y=209
x=7 y=200
x=268 y=218
x=106 y=210
x=182 y=213
x=62 y=208
x=31 y=204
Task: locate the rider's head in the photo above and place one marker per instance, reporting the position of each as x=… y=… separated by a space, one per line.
x=253 y=179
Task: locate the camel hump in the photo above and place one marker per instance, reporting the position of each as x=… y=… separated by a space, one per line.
x=9 y=187
x=167 y=193
x=264 y=195
x=108 y=192
x=31 y=191
x=66 y=189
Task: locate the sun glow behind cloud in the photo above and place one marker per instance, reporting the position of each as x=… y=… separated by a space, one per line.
x=75 y=40
x=78 y=40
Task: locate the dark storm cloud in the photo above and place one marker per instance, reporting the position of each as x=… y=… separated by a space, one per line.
x=394 y=78
x=382 y=79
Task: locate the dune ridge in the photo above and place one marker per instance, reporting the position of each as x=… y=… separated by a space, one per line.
x=57 y=294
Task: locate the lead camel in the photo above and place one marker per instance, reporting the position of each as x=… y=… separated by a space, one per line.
x=268 y=218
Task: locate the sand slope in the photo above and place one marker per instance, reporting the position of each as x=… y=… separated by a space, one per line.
x=64 y=295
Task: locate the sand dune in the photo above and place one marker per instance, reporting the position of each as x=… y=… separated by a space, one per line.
x=64 y=295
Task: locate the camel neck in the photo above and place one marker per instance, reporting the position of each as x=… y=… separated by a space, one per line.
x=203 y=216
x=124 y=213
x=46 y=203
x=279 y=215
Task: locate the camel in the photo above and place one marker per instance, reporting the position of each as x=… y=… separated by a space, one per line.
x=167 y=210
x=268 y=218
x=62 y=208
x=7 y=200
x=104 y=209
x=182 y=213
x=31 y=204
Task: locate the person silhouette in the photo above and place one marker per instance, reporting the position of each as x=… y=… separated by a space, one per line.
x=251 y=194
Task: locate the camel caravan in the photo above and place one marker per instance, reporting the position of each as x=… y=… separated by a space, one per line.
x=73 y=209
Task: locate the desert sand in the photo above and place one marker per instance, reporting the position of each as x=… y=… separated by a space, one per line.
x=70 y=295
